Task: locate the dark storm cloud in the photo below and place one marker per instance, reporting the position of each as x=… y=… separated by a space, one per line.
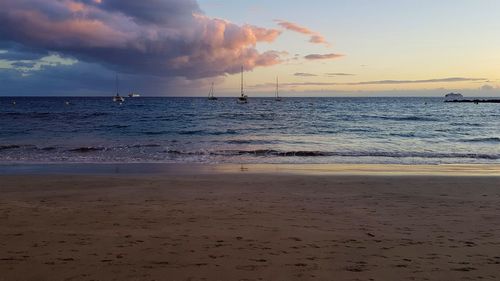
x=91 y=79
x=27 y=64
x=15 y=52
x=170 y=12
x=155 y=37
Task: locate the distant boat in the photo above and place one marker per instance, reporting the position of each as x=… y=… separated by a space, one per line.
x=453 y=97
x=211 y=93
x=134 y=95
x=277 y=98
x=117 y=97
x=242 y=99
x=458 y=98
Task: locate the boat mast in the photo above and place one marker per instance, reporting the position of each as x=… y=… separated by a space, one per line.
x=117 y=84
x=211 y=93
x=277 y=89
x=242 y=93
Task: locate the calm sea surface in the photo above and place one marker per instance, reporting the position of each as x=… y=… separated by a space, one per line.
x=296 y=130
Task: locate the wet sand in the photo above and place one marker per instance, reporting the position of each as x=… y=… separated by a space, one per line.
x=229 y=224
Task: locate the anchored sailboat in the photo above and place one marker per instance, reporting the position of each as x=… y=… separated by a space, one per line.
x=211 y=93
x=277 y=98
x=118 y=98
x=243 y=98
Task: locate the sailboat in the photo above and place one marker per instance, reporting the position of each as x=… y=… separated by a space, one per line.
x=118 y=98
x=243 y=99
x=277 y=98
x=211 y=93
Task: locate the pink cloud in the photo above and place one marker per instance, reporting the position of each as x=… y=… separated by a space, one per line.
x=315 y=38
x=318 y=39
x=164 y=38
x=294 y=27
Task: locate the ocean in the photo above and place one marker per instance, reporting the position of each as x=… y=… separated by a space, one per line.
x=295 y=130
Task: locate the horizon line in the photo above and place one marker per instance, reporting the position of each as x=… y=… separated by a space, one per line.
x=228 y=97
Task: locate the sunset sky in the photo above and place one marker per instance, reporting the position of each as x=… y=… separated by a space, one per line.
x=317 y=47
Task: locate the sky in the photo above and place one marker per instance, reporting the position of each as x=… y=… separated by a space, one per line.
x=316 y=47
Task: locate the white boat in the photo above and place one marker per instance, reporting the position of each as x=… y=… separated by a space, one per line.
x=117 y=97
x=453 y=97
x=277 y=98
x=211 y=93
x=242 y=99
x=134 y=95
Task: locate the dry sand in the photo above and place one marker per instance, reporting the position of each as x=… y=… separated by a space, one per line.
x=249 y=226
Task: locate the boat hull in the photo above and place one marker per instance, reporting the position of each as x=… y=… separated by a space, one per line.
x=474 y=101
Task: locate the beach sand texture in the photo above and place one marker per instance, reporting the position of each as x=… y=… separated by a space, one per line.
x=246 y=226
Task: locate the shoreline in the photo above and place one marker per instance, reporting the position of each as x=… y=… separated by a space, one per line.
x=492 y=170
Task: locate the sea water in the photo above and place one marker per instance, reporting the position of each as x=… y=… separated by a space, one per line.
x=295 y=130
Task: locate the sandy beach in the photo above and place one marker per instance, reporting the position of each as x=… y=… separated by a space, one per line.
x=256 y=223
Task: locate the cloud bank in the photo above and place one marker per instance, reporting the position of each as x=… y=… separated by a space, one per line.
x=378 y=82
x=303 y=74
x=323 y=57
x=168 y=38
x=339 y=74
x=440 y=80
